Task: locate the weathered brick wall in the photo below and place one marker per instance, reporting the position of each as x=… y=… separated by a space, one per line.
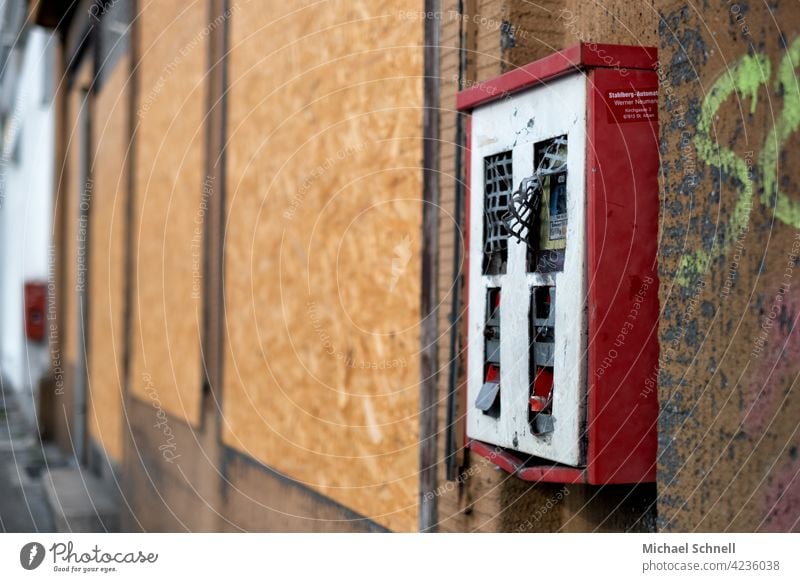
x=728 y=263
x=502 y=34
x=729 y=266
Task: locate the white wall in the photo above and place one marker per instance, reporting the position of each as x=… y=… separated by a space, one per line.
x=26 y=212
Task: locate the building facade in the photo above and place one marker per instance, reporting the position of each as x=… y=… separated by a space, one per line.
x=259 y=228
x=26 y=193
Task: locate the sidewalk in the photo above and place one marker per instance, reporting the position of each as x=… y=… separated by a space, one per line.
x=23 y=462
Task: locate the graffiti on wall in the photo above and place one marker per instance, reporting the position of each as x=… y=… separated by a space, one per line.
x=743 y=79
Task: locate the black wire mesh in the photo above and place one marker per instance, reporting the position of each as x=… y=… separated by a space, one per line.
x=523 y=210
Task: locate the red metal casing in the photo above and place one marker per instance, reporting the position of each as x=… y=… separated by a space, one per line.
x=35 y=306
x=622 y=237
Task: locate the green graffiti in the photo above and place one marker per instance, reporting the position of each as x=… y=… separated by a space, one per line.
x=785 y=209
x=744 y=78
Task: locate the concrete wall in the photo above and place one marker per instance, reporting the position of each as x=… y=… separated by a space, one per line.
x=729 y=262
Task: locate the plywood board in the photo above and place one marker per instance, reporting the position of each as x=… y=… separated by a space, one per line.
x=168 y=213
x=322 y=245
x=107 y=259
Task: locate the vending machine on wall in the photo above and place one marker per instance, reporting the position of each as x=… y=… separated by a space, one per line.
x=562 y=282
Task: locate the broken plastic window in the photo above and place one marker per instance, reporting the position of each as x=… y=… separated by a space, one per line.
x=537 y=214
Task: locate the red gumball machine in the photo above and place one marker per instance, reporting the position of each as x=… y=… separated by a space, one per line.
x=562 y=298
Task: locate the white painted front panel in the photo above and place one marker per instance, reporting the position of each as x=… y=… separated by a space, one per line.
x=516 y=124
